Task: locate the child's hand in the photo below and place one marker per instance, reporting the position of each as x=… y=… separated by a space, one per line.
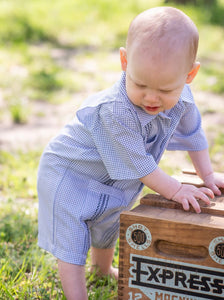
x=189 y=194
x=214 y=181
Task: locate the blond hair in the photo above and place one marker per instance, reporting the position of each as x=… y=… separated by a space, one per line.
x=166 y=30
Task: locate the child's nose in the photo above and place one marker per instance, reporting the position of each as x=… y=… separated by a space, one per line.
x=151 y=96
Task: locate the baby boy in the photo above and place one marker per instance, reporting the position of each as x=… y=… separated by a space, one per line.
x=98 y=164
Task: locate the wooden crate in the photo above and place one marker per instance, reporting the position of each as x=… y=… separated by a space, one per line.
x=170 y=254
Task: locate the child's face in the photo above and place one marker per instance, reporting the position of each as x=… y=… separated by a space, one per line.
x=153 y=85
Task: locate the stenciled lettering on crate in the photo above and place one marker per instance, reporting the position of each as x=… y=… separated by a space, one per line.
x=163 y=279
x=168 y=254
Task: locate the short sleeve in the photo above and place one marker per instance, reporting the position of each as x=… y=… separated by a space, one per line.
x=117 y=135
x=189 y=135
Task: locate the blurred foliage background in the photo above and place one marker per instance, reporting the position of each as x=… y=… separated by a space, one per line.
x=42 y=44
x=49 y=52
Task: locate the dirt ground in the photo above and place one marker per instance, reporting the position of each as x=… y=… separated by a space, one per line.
x=39 y=129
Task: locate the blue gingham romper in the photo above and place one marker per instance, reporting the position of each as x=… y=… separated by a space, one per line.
x=90 y=172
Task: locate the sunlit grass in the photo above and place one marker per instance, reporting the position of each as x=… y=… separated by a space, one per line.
x=210 y=77
x=42 y=46
x=26 y=271
x=32 y=31
x=18 y=174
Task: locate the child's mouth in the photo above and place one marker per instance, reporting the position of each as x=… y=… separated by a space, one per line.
x=151 y=108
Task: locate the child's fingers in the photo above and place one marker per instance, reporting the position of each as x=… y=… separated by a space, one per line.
x=216 y=190
x=200 y=194
x=185 y=204
x=212 y=186
x=189 y=195
x=206 y=191
x=214 y=182
x=194 y=203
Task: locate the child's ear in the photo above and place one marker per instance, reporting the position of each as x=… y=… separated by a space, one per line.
x=193 y=72
x=123 y=58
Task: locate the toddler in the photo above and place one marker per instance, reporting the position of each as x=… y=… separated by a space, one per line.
x=98 y=164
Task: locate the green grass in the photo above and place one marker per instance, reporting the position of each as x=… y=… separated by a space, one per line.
x=43 y=44
x=31 y=32
x=26 y=271
x=48 y=52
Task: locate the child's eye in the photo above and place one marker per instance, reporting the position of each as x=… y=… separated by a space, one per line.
x=166 y=91
x=141 y=86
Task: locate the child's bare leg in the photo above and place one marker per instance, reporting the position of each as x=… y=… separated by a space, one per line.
x=102 y=259
x=73 y=280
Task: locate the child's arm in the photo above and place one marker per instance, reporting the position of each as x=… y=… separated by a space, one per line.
x=172 y=189
x=202 y=164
